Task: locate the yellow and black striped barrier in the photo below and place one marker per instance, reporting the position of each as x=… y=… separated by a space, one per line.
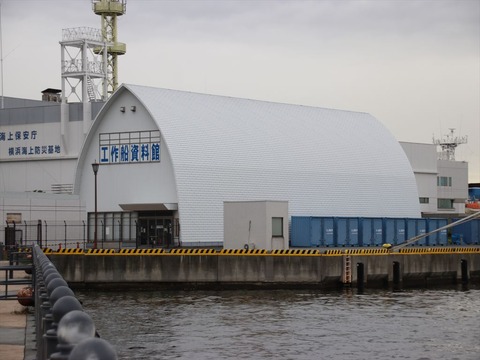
x=243 y=252
x=100 y=252
x=264 y=252
x=335 y=252
x=413 y=250
x=192 y=252
x=140 y=252
x=440 y=250
x=70 y=251
x=369 y=251
x=296 y=252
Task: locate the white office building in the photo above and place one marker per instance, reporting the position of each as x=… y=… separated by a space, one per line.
x=442 y=184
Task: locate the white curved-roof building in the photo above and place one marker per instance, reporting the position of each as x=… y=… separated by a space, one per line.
x=213 y=149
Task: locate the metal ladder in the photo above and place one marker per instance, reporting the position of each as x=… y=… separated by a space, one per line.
x=90 y=89
x=347 y=270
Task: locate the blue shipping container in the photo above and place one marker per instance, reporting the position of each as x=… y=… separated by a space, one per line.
x=467 y=233
x=327 y=236
x=371 y=232
x=439 y=238
x=415 y=227
x=347 y=231
x=315 y=231
x=411 y=229
x=300 y=234
x=307 y=231
x=394 y=230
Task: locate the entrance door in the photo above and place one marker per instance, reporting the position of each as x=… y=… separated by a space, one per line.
x=155 y=229
x=165 y=232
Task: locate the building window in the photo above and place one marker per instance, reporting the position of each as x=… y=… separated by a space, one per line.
x=277 y=227
x=445 y=204
x=424 y=200
x=444 y=181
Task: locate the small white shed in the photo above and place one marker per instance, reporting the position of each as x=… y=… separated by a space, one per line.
x=256 y=224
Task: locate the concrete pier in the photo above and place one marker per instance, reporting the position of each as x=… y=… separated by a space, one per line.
x=266 y=270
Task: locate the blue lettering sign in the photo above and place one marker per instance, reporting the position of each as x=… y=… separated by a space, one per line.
x=104 y=154
x=145 y=154
x=114 y=153
x=129 y=147
x=156 y=152
x=124 y=152
x=134 y=151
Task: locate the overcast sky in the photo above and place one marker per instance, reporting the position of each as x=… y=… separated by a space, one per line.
x=413 y=64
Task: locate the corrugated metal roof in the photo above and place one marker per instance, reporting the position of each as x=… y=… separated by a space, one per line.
x=323 y=162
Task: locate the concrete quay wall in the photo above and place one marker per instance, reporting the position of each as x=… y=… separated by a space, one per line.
x=217 y=271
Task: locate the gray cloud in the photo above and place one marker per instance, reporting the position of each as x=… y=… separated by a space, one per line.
x=414 y=64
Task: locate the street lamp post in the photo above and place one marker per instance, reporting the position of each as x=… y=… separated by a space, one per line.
x=95 y=166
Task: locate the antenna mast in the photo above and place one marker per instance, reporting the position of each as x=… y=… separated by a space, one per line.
x=448 y=144
x=109 y=10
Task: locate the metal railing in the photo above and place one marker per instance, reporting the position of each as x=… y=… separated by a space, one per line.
x=63 y=330
x=78 y=234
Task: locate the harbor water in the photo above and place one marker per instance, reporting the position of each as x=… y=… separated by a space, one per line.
x=289 y=324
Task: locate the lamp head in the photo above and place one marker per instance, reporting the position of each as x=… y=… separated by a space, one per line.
x=95 y=166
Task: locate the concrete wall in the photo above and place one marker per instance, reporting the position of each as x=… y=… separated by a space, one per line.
x=118 y=271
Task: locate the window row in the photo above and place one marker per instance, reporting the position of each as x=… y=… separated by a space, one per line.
x=444 y=181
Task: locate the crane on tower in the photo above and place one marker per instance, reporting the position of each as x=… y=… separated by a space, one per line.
x=109 y=10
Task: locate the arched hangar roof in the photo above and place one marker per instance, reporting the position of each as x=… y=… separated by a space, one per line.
x=324 y=162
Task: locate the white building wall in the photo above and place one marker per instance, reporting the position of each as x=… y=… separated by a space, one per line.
x=249 y=223
x=41 y=156
x=427 y=189
x=427 y=168
x=141 y=183
x=458 y=192
x=323 y=162
x=423 y=159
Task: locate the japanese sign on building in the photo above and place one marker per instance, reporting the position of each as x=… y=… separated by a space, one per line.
x=26 y=144
x=129 y=147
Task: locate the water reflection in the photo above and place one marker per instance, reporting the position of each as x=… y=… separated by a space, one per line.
x=289 y=324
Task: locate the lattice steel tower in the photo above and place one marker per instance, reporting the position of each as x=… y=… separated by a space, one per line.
x=448 y=144
x=109 y=10
x=83 y=63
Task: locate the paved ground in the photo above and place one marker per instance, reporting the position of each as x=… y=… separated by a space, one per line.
x=13 y=323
